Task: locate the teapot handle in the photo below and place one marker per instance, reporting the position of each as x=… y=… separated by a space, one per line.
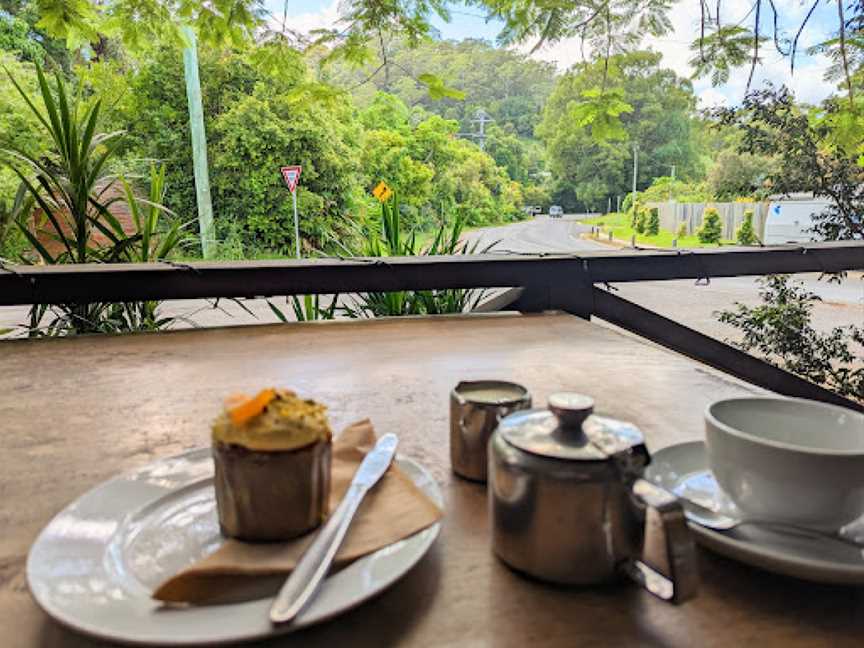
x=667 y=564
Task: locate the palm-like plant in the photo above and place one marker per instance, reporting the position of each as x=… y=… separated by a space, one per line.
x=391 y=242
x=69 y=187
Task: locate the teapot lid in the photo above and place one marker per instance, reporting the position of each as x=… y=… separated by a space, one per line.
x=569 y=430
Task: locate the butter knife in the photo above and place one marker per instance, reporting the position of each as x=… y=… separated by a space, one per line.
x=301 y=585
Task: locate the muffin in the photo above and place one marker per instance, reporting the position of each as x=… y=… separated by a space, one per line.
x=272 y=459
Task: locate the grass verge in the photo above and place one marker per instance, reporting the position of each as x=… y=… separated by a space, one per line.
x=619 y=225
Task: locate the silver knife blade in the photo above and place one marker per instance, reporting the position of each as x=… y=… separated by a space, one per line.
x=376 y=463
x=301 y=585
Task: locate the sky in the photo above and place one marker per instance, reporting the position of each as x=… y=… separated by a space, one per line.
x=807 y=81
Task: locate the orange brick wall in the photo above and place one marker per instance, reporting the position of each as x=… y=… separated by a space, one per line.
x=45 y=232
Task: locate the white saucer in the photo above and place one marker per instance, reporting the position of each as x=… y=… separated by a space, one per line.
x=95 y=564
x=683 y=469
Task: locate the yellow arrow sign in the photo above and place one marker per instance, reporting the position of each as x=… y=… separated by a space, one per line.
x=382 y=192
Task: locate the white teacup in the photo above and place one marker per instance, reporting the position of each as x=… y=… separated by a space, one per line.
x=788 y=459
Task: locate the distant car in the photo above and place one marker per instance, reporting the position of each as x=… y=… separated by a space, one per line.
x=532 y=210
x=556 y=211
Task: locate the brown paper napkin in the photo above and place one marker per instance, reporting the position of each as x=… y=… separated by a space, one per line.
x=393 y=510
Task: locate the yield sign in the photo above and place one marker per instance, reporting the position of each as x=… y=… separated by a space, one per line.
x=291 y=175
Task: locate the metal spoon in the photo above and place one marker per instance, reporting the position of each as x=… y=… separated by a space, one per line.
x=852 y=534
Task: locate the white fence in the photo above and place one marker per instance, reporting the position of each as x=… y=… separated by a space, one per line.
x=672 y=214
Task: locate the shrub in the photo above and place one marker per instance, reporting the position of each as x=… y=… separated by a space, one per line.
x=633 y=215
x=652 y=227
x=780 y=329
x=711 y=229
x=745 y=235
x=641 y=221
x=67 y=185
x=682 y=230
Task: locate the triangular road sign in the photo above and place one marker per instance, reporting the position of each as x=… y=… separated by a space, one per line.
x=291 y=175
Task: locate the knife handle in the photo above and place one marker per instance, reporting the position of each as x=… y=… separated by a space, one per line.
x=313 y=566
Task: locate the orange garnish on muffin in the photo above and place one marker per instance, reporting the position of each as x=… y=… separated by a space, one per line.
x=242 y=409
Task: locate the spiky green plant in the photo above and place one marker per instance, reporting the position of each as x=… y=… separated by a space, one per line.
x=69 y=187
x=391 y=240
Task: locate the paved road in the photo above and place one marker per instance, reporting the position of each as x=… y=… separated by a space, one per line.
x=679 y=300
x=542 y=234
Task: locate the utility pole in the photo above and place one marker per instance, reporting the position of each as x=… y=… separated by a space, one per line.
x=635 y=170
x=199 y=144
x=671 y=183
x=481 y=118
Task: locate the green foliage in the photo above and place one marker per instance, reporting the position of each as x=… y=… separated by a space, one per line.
x=640 y=218
x=600 y=112
x=682 y=230
x=256 y=121
x=438 y=90
x=435 y=170
x=780 y=329
x=509 y=86
x=746 y=235
x=10 y=214
x=307 y=308
x=139 y=23
x=599 y=24
x=16 y=37
x=736 y=175
x=771 y=124
x=723 y=49
x=711 y=230
x=20 y=129
x=664 y=188
x=250 y=141
x=390 y=238
x=652 y=224
x=68 y=186
x=661 y=123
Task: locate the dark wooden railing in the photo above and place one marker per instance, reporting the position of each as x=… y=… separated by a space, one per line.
x=574 y=283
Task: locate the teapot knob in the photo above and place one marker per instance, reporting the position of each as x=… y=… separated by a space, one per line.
x=571 y=409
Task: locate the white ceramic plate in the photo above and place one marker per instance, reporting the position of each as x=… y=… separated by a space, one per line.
x=95 y=564
x=683 y=469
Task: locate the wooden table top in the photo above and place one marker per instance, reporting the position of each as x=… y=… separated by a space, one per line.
x=74 y=412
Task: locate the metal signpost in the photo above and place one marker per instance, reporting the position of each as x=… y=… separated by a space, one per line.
x=291 y=175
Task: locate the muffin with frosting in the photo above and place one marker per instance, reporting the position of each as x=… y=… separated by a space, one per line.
x=272 y=458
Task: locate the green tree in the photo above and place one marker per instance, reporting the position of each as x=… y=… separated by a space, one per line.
x=745 y=235
x=257 y=119
x=509 y=86
x=661 y=122
x=736 y=175
x=802 y=143
x=711 y=230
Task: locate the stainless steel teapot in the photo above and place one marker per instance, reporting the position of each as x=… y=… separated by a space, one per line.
x=567 y=503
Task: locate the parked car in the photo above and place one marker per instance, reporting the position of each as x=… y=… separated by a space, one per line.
x=532 y=210
x=556 y=211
